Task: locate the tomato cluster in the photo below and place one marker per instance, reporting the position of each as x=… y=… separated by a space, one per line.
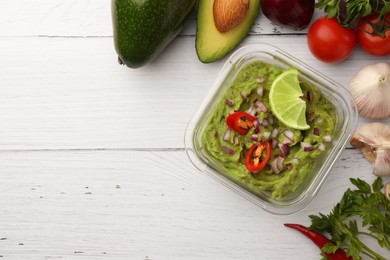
x=330 y=42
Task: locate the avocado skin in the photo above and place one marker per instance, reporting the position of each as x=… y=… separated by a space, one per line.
x=142 y=28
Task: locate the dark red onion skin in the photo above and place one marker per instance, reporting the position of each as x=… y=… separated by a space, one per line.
x=292 y=14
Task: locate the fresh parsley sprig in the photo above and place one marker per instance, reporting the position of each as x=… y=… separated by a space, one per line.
x=360 y=212
x=349 y=12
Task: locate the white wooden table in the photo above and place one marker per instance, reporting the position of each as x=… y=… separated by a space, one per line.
x=92 y=159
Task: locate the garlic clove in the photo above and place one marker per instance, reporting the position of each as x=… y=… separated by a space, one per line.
x=386 y=191
x=373 y=140
x=370 y=89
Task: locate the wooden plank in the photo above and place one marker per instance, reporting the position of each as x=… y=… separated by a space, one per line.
x=75 y=18
x=70 y=93
x=144 y=205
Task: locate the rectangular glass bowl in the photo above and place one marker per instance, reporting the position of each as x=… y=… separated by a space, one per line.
x=332 y=91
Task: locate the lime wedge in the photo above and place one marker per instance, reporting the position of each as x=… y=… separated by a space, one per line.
x=285 y=100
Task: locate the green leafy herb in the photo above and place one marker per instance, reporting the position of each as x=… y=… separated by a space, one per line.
x=349 y=12
x=360 y=212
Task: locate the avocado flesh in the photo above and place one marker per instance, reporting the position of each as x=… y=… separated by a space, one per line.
x=211 y=44
x=143 y=28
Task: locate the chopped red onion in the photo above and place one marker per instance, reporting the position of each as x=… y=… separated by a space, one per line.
x=316 y=131
x=275 y=133
x=280 y=160
x=295 y=160
x=307 y=147
x=289 y=166
x=254 y=137
x=244 y=95
x=266 y=136
x=227 y=150
x=252 y=111
x=309 y=96
x=284 y=148
x=277 y=164
x=226 y=136
x=321 y=147
x=229 y=102
x=260 y=79
x=257 y=128
x=274 y=143
x=287 y=142
x=271 y=119
x=260 y=91
x=260 y=105
x=327 y=139
x=274 y=166
x=289 y=134
x=318 y=120
x=264 y=122
x=235 y=140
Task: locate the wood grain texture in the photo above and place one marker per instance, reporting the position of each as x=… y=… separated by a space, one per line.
x=92 y=159
x=144 y=205
x=70 y=93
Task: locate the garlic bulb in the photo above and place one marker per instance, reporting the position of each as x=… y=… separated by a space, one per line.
x=386 y=190
x=370 y=89
x=373 y=139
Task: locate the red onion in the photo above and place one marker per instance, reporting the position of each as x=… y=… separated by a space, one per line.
x=274 y=133
x=284 y=148
x=274 y=166
x=289 y=134
x=227 y=150
x=309 y=96
x=229 y=102
x=254 y=137
x=274 y=143
x=244 y=96
x=260 y=91
x=327 y=139
x=271 y=119
x=266 y=136
x=289 y=166
x=260 y=105
x=257 y=129
x=293 y=14
x=307 y=147
x=226 y=136
x=264 y=122
x=235 y=140
x=316 y=131
x=277 y=164
x=295 y=160
x=321 y=147
x=260 y=79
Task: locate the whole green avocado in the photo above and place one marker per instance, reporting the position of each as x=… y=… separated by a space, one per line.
x=142 y=28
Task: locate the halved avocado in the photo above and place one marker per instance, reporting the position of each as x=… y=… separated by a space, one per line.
x=211 y=44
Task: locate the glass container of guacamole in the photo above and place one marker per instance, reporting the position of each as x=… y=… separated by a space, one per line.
x=235 y=137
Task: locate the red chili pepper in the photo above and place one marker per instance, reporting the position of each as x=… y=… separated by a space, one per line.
x=240 y=122
x=254 y=160
x=320 y=241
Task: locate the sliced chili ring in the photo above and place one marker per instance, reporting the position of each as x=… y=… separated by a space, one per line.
x=255 y=159
x=241 y=122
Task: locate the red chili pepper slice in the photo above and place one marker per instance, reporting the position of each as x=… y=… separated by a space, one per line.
x=240 y=122
x=255 y=161
x=320 y=241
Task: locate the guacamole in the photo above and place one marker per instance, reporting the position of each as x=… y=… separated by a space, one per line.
x=293 y=152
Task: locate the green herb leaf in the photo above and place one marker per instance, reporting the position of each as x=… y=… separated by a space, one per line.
x=363 y=211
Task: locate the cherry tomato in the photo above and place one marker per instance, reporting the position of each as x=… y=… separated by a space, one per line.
x=370 y=41
x=329 y=41
x=240 y=122
x=254 y=160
